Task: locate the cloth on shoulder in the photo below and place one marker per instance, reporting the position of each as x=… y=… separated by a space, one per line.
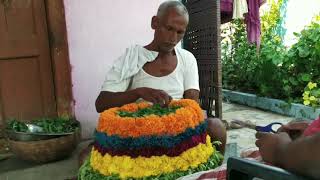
x=130 y=63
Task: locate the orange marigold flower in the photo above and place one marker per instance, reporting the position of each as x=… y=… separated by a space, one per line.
x=189 y=115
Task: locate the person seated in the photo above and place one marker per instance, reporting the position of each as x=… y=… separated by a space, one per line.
x=295 y=147
x=280 y=149
x=159 y=71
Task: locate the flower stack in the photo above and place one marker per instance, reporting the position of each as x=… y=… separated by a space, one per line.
x=139 y=141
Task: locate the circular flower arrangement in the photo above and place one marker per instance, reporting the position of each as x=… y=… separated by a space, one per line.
x=144 y=141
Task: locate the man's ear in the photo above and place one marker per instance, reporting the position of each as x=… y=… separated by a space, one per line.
x=155 y=22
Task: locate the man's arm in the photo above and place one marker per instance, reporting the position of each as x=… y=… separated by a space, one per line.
x=108 y=99
x=301 y=156
x=191 y=94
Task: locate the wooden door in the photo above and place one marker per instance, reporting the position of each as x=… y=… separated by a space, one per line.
x=26 y=77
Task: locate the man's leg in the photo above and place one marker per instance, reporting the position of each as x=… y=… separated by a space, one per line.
x=217 y=131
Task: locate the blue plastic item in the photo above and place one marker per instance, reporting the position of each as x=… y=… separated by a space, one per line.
x=267 y=128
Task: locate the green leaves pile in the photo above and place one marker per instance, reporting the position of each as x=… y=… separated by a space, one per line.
x=155 y=109
x=49 y=125
x=17 y=126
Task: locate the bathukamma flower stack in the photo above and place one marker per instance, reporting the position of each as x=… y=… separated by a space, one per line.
x=144 y=141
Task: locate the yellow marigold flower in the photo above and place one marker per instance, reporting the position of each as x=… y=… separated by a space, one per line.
x=305 y=97
x=306 y=102
x=139 y=167
x=312 y=98
x=312 y=85
x=306 y=93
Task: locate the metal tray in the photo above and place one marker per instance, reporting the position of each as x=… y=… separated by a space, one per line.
x=23 y=136
x=36 y=136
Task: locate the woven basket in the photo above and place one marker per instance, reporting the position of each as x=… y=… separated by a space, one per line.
x=45 y=150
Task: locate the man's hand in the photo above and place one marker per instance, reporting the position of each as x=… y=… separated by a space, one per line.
x=294 y=129
x=155 y=96
x=272 y=145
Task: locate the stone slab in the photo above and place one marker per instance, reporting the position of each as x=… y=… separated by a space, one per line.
x=274 y=105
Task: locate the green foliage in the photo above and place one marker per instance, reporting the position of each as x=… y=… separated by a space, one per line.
x=17 y=126
x=311 y=95
x=302 y=61
x=271 y=22
x=238 y=60
x=273 y=71
x=155 y=109
x=48 y=125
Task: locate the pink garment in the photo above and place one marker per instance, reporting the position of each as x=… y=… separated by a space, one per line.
x=313 y=128
x=226 y=6
x=252 y=18
x=253 y=21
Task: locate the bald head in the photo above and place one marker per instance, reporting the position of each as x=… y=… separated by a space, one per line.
x=172 y=4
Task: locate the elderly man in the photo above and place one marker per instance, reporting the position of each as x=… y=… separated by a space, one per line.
x=159 y=71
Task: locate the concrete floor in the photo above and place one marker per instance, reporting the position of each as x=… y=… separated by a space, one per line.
x=238 y=140
x=244 y=138
x=15 y=169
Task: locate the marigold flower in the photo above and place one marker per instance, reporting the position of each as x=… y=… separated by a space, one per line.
x=312 y=85
x=306 y=102
x=188 y=116
x=312 y=98
x=126 y=166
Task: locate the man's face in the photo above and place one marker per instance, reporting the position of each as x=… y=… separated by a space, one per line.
x=169 y=29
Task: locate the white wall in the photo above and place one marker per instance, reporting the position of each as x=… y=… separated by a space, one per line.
x=98 y=32
x=299 y=14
